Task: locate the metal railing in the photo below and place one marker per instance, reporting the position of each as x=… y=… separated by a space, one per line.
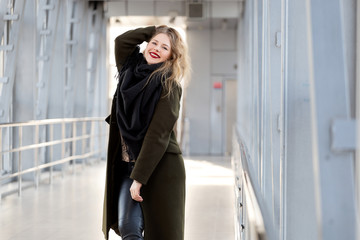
x=249 y=220
x=91 y=133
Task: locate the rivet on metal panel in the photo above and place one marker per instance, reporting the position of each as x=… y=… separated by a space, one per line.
x=4 y=79
x=71 y=42
x=279 y=127
x=40 y=84
x=9 y=47
x=48 y=7
x=11 y=17
x=278 y=39
x=343 y=135
x=43 y=58
x=74 y=20
x=45 y=32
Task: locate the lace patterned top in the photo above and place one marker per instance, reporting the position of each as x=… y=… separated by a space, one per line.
x=125 y=154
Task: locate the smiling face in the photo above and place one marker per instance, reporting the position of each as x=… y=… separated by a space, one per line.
x=158 y=49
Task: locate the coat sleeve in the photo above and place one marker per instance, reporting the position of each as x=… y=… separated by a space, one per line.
x=157 y=136
x=126 y=43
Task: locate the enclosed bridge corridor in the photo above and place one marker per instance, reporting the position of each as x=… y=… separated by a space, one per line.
x=268 y=126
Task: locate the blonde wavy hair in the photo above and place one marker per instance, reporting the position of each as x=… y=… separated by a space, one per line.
x=177 y=67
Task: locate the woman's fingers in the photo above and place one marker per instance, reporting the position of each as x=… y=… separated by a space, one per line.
x=135 y=191
x=137 y=198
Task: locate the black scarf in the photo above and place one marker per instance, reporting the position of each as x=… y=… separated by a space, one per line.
x=136 y=100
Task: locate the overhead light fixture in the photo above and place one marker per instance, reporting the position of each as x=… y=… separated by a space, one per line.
x=195 y=10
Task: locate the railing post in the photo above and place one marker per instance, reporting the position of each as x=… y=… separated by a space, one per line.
x=87 y=133
x=99 y=139
x=1 y=161
x=74 y=145
x=1 y=155
x=91 y=139
x=51 y=152
x=19 y=162
x=62 y=146
x=36 y=156
x=83 y=142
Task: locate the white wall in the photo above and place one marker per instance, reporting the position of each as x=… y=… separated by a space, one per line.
x=197 y=105
x=213 y=57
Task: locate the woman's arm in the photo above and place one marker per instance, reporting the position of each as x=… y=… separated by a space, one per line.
x=126 y=43
x=157 y=136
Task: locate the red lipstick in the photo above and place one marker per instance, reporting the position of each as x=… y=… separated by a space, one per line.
x=154 y=55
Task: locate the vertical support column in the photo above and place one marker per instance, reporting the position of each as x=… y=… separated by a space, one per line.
x=46 y=29
x=357 y=163
x=94 y=23
x=74 y=15
x=334 y=173
x=2 y=81
x=47 y=19
x=94 y=30
x=74 y=37
x=12 y=18
x=3 y=9
x=1 y=162
x=11 y=15
x=1 y=156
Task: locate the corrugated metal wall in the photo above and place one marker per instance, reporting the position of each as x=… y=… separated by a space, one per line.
x=294 y=140
x=53 y=65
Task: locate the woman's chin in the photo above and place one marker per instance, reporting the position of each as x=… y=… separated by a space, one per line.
x=152 y=62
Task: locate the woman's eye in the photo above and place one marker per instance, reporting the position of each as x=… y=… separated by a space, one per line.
x=154 y=43
x=165 y=48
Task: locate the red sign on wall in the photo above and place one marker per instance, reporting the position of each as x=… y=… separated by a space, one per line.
x=217 y=85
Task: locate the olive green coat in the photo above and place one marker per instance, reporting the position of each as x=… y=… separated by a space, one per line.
x=159 y=166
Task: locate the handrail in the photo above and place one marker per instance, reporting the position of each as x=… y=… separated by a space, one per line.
x=50 y=121
x=92 y=137
x=255 y=218
x=250 y=219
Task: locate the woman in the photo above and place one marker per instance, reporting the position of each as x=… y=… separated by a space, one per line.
x=145 y=182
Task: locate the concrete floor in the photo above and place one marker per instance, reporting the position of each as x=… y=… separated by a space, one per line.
x=71 y=207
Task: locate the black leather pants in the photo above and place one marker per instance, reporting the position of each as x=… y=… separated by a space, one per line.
x=131 y=221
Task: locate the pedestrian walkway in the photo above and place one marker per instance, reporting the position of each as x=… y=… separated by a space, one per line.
x=71 y=207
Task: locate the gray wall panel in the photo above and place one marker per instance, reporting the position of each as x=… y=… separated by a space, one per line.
x=300 y=199
x=198 y=93
x=296 y=68
x=214 y=58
